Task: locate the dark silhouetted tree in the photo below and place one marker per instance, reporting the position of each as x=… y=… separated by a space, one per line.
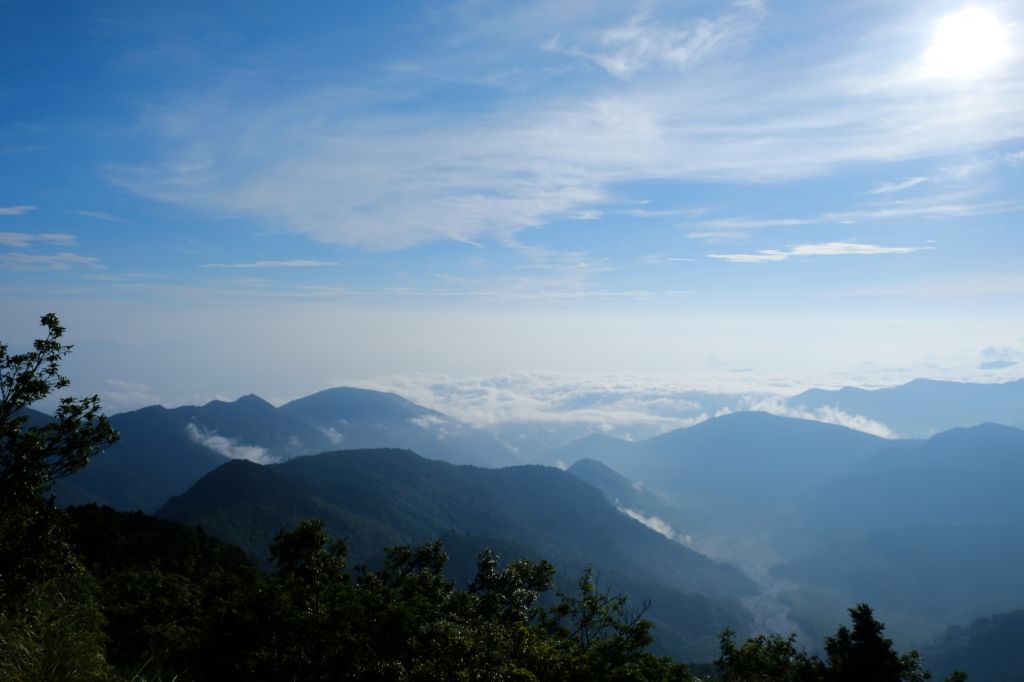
x=50 y=625
x=863 y=653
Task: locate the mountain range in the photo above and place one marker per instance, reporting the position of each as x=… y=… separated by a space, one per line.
x=739 y=473
x=926 y=531
x=924 y=407
x=379 y=498
x=164 y=451
x=822 y=516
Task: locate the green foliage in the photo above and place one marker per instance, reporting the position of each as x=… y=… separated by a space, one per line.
x=853 y=654
x=50 y=622
x=56 y=634
x=308 y=563
x=180 y=604
x=862 y=653
x=606 y=639
x=509 y=595
x=174 y=599
x=766 y=658
x=383 y=498
x=32 y=457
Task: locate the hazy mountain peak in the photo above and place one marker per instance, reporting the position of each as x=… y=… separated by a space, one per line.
x=250 y=401
x=347 y=402
x=981 y=433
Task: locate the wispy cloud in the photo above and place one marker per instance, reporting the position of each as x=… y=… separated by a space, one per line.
x=957 y=204
x=228 y=447
x=890 y=187
x=21 y=240
x=805 y=250
x=655 y=523
x=15 y=210
x=57 y=261
x=100 y=215
x=717 y=236
x=334 y=169
x=643 y=41
x=959 y=174
x=756 y=223
x=274 y=264
x=826 y=414
x=667 y=213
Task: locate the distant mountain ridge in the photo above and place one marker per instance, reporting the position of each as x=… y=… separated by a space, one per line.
x=924 y=407
x=164 y=451
x=356 y=418
x=960 y=476
x=931 y=530
x=736 y=470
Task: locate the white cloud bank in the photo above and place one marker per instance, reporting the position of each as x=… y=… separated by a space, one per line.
x=629 y=407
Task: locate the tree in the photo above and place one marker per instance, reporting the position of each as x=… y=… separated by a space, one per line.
x=50 y=626
x=31 y=458
x=605 y=637
x=509 y=595
x=853 y=654
x=765 y=658
x=862 y=653
x=307 y=560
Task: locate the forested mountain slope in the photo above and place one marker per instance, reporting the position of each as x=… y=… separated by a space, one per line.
x=377 y=498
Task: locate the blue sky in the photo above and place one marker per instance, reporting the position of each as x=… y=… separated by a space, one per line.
x=227 y=197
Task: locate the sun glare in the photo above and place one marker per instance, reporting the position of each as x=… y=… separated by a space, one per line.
x=967 y=44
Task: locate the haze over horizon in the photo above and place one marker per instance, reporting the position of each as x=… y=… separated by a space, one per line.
x=745 y=197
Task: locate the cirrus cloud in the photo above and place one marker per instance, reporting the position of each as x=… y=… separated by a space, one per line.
x=16 y=210
x=21 y=240
x=805 y=250
x=56 y=261
x=296 y=263
x=343 y=165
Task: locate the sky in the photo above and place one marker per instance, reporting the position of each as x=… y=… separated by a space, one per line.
x=235 y=197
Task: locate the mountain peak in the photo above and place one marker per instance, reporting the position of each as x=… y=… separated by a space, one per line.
x=250 y=400
x=345 y=402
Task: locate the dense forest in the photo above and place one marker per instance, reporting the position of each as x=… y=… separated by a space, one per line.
x=92 y=593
